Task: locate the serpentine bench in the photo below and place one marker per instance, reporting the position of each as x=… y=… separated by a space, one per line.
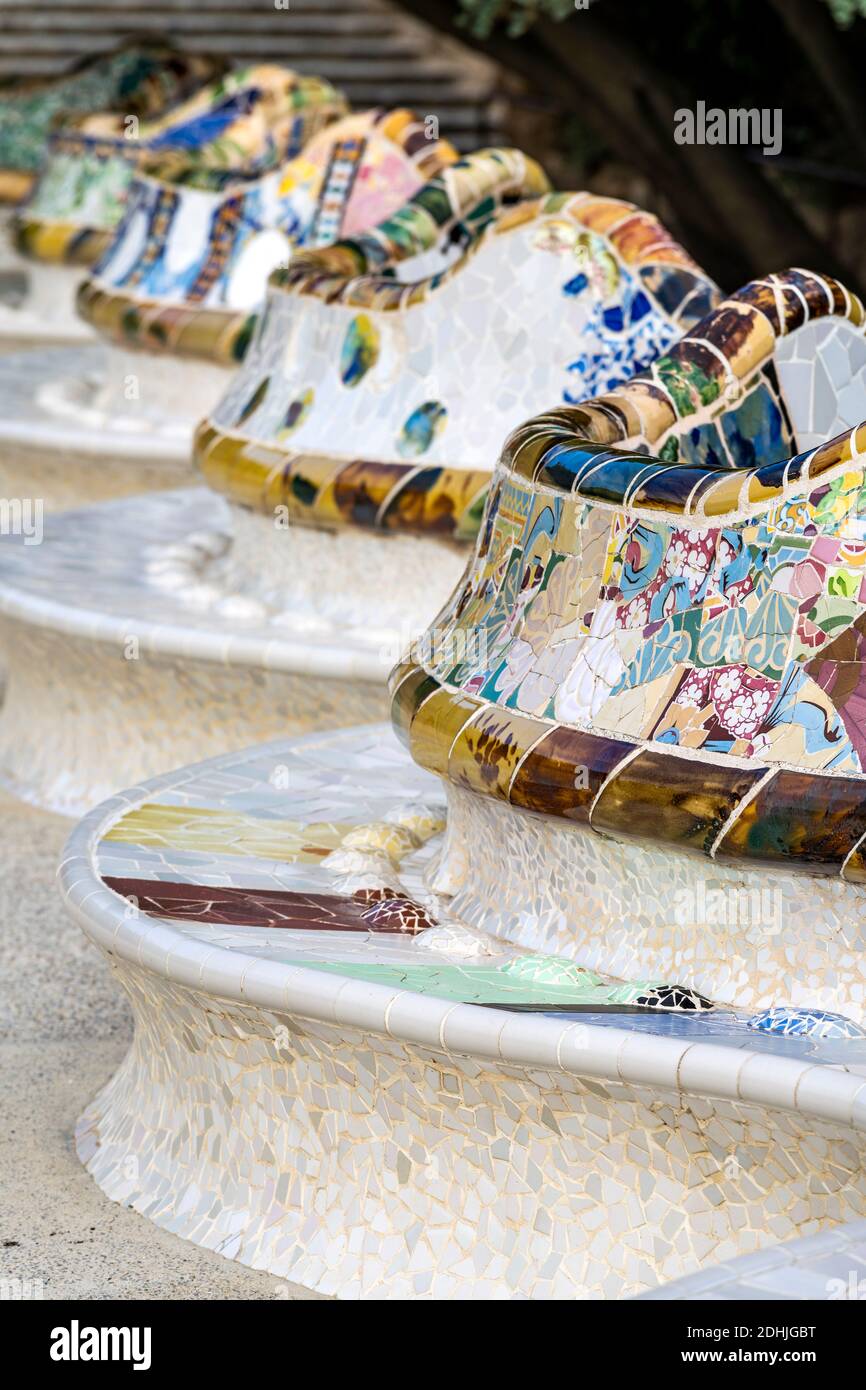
x=164 y=569
x=663 y=657
x=243 y=124
x=141 y=78
x=356 y=412
x=572 y=1002
x=170 y=571
x=345 y=1076
x=187 y=267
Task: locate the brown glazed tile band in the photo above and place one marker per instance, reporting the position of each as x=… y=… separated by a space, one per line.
x=733 y=813
x=59 y=243
x=329 y=494
x=217 y=335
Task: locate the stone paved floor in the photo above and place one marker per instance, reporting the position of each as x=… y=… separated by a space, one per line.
x=64 y=1027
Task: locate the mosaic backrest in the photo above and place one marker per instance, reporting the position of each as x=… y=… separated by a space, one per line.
x=141 y=79
x=242 y=125
x=371 y=398
x=672 y=646
x=188 y=264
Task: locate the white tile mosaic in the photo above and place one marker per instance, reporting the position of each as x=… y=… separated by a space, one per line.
x=753 y=937
x=371 y=1140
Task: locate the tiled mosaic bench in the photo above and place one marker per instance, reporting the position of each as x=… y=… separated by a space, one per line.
x=126 y=567
x=141 y=78
x=367 y=413
x=125 y=413
x=244 y=123
x=189 y=265
x=340 y=1076
x=663 y=657
x=572 y=1000
x=789 y=372
x=144 y=79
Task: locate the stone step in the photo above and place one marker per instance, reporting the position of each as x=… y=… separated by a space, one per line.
x=378 y=55
x=105 y=12
x=134 y=21
x=369 y=70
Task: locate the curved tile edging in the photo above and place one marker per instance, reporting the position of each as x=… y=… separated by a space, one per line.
x=711 y=367
x=629 y=787
x=611 y=1054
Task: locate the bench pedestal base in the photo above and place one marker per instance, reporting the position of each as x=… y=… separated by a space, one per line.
x=365 y=1167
